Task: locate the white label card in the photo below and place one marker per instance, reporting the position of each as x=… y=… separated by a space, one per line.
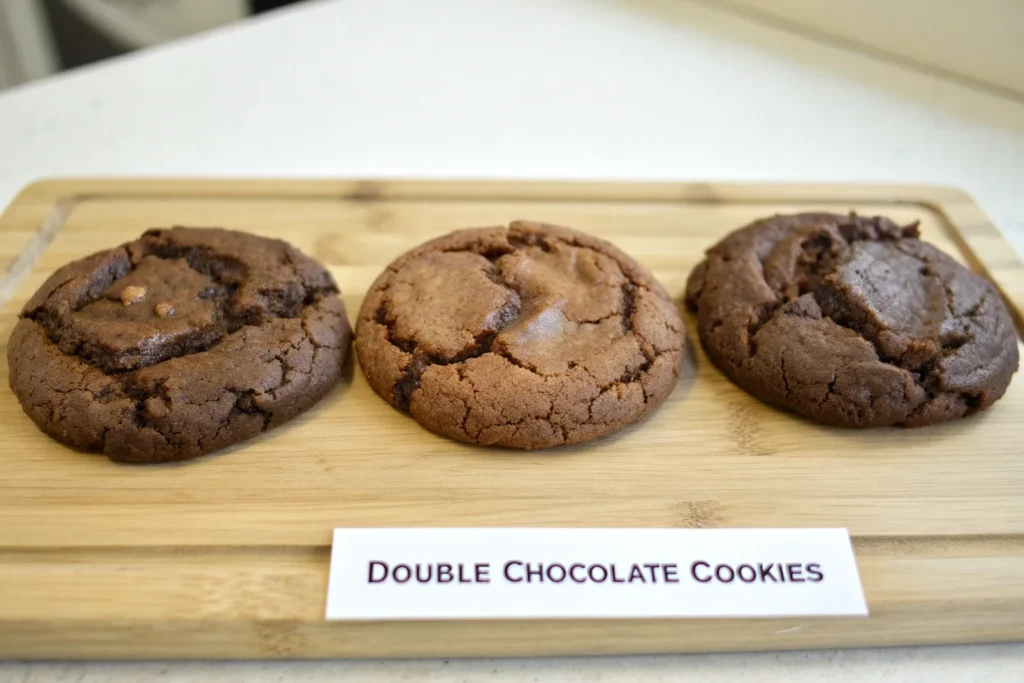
x=401 y=574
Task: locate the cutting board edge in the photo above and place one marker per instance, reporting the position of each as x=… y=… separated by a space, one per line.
x=285 y=639
x=277 y=638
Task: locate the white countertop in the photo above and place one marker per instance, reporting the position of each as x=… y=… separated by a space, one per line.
x=605 y=89
x=988 y=663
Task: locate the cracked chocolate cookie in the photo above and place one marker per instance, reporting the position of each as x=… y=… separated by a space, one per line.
x=177 y=344
x=852 y=321
x=525 y=337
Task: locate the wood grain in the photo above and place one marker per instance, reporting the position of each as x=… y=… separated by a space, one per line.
x=227 y=556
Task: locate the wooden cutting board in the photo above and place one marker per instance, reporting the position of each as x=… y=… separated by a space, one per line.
x=227 y=556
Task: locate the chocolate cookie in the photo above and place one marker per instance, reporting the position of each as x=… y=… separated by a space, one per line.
x=177 y=344
x=852 y=321
x=527 y=337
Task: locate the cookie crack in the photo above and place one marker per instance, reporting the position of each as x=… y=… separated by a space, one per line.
x=927 y=376
x=410 y=380
x=829 y=390
x=950 y=342
x=230 y=274
x=785 y=379
x=550 y=419
x=628 y=306
x=227 y=275
x=821 y=256
x=825 y=261
x=245 y=399
x=245 y=402
x=483 y=343
x=761 y=315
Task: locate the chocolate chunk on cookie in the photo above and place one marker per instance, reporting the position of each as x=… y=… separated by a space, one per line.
x=177 y=344
x=526 y=337
x=852 y=321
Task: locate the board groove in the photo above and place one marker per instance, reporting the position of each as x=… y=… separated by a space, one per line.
x=932 y=546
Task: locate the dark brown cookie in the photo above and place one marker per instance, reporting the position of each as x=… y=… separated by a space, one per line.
x=852 y=321
x=177 y=344
x=528 y=337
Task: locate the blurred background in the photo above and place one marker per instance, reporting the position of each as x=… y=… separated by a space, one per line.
x=41 y=37
x=971 y=40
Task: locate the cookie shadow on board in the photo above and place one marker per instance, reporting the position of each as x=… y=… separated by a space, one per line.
x=906 y=440
x=848 y=443
x=327 y=403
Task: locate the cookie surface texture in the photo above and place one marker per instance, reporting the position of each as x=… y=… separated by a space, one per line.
x=852 y=321
x=178 y=344
x=526 y=337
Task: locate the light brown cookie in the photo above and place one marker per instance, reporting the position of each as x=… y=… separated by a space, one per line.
x=527 y=337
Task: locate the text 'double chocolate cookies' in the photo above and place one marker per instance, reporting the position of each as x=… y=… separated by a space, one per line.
x=852 y=321
x=177 y=344
x=525 y=337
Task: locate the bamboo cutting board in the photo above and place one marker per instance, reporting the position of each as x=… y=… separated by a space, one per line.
x=227 y=556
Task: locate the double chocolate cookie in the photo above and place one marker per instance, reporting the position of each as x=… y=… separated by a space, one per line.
x=177 y=344
x=852 y=321
x=527 y=337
